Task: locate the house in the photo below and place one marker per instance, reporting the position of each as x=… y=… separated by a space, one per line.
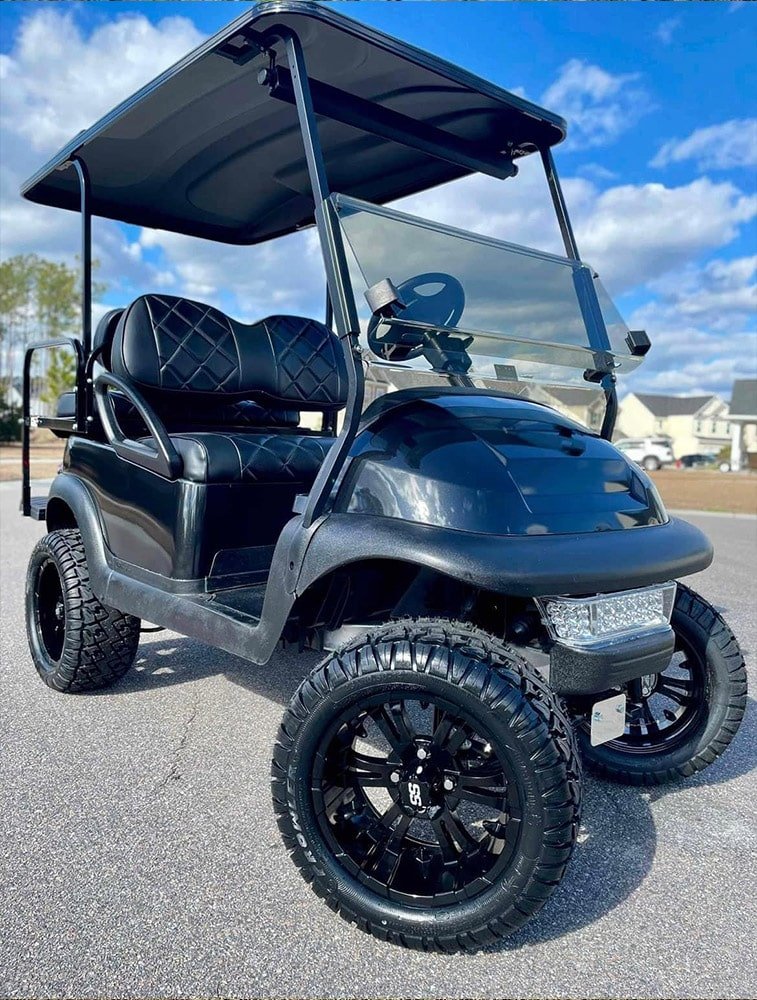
x=695 y=424
x=743 y=418
x=587 y=406
x=12 y=393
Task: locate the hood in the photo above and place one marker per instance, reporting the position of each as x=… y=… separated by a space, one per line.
x=482 y=462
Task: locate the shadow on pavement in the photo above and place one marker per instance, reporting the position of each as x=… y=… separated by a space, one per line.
x=618 y=839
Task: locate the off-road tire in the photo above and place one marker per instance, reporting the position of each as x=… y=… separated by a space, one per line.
x=97 y=644
x=477 y=670
x=725 y=696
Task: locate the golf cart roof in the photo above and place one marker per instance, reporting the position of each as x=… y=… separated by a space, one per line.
x=205 y=150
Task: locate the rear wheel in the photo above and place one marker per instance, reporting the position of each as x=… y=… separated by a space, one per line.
x=651 y=464
x=76 y=642
x=679 y=721
x=426 y=783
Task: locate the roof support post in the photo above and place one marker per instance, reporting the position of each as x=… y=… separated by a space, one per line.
x=340 y=291
x=84 y=402
x=558 y=200
x=586 y=293
x=86 y=254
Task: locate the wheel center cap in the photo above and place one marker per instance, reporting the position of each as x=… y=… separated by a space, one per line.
x=415 y=794
x=420 y=780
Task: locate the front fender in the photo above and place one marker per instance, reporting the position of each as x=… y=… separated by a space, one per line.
x=522 y=566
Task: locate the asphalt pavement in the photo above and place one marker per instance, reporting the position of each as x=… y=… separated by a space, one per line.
x=139 y=856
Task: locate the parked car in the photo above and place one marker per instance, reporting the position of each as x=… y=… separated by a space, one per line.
x=698 y=461
x=649 y=453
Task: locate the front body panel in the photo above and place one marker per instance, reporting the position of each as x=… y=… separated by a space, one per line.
x=493 y=465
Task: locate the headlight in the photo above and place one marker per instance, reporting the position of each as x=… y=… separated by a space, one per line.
x=588 y=621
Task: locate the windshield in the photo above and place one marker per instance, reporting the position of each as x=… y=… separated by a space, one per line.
x=478 y=307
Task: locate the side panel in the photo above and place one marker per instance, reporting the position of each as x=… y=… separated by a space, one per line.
x=144 y=516
x=182 y=530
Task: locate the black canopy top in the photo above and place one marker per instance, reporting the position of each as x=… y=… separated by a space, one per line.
x=205 y=150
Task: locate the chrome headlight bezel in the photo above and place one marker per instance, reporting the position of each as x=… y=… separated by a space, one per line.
x=601 y=619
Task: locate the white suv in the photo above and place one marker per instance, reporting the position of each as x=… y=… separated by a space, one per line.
x=650 y=453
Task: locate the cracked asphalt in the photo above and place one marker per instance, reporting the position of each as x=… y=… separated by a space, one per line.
x=139 y=856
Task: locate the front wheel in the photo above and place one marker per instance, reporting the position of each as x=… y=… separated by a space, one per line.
x=426 y=782
x=679 y=721
x=651 y=464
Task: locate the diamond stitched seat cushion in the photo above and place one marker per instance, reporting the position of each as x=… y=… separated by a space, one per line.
x=216 y=457
x=169 y=346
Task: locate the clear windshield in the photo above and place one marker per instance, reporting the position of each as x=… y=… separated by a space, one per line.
x=478 y=307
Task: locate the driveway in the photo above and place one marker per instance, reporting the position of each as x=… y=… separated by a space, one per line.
x=139 y=855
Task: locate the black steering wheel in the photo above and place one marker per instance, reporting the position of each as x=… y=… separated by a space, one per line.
x=434 y=298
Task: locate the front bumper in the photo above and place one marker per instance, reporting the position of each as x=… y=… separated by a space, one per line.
x=600 y=668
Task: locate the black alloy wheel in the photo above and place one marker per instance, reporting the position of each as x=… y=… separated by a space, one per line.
x=416 y=799
x=679 y=721
x=427 y=785
x=77 y=643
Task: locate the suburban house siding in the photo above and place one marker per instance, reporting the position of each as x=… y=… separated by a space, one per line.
x=695 y=424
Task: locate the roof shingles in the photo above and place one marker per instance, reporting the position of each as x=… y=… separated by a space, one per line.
x=672 y=406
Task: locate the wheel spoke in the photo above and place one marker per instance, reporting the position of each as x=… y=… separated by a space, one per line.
x=395 y=725
x=676 y=692
x=454 y=839
x=365 y=770
x=649 y=720
x=387 y=862
x=449 y=734
x=485 y=789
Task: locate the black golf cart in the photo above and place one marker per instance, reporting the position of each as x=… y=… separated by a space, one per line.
x=409 y=485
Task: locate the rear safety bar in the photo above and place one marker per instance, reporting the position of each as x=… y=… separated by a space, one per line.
x=35 y=507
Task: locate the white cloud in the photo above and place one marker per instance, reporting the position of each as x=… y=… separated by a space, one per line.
x=702 y=325
x=721 y=295
x=666 y=29
x=286 y=276
x=598 y=105
x=690 y=360
x=630 y=233
x=715 y=147
x=56 y=81
x=634 y=233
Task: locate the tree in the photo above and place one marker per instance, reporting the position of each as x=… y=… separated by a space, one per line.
x=61 y=374
x=18 y=276
x=39 y=300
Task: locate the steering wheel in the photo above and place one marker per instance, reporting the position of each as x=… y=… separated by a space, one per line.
x=425 y=302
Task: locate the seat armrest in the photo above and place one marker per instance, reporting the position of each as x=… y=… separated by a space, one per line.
x=160 y=456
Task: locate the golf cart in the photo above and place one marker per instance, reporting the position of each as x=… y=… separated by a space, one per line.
x=400 y=485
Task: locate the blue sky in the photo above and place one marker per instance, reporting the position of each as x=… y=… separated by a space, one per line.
x=670 y=226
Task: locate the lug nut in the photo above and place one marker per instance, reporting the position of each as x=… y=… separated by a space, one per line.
x=394 y=777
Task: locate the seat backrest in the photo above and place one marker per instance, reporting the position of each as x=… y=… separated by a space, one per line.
x=167 y=345
x=102 y=341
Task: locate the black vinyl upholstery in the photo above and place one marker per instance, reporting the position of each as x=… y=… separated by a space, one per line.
x=229 y=394
x=272 y=457
x=176 y=345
